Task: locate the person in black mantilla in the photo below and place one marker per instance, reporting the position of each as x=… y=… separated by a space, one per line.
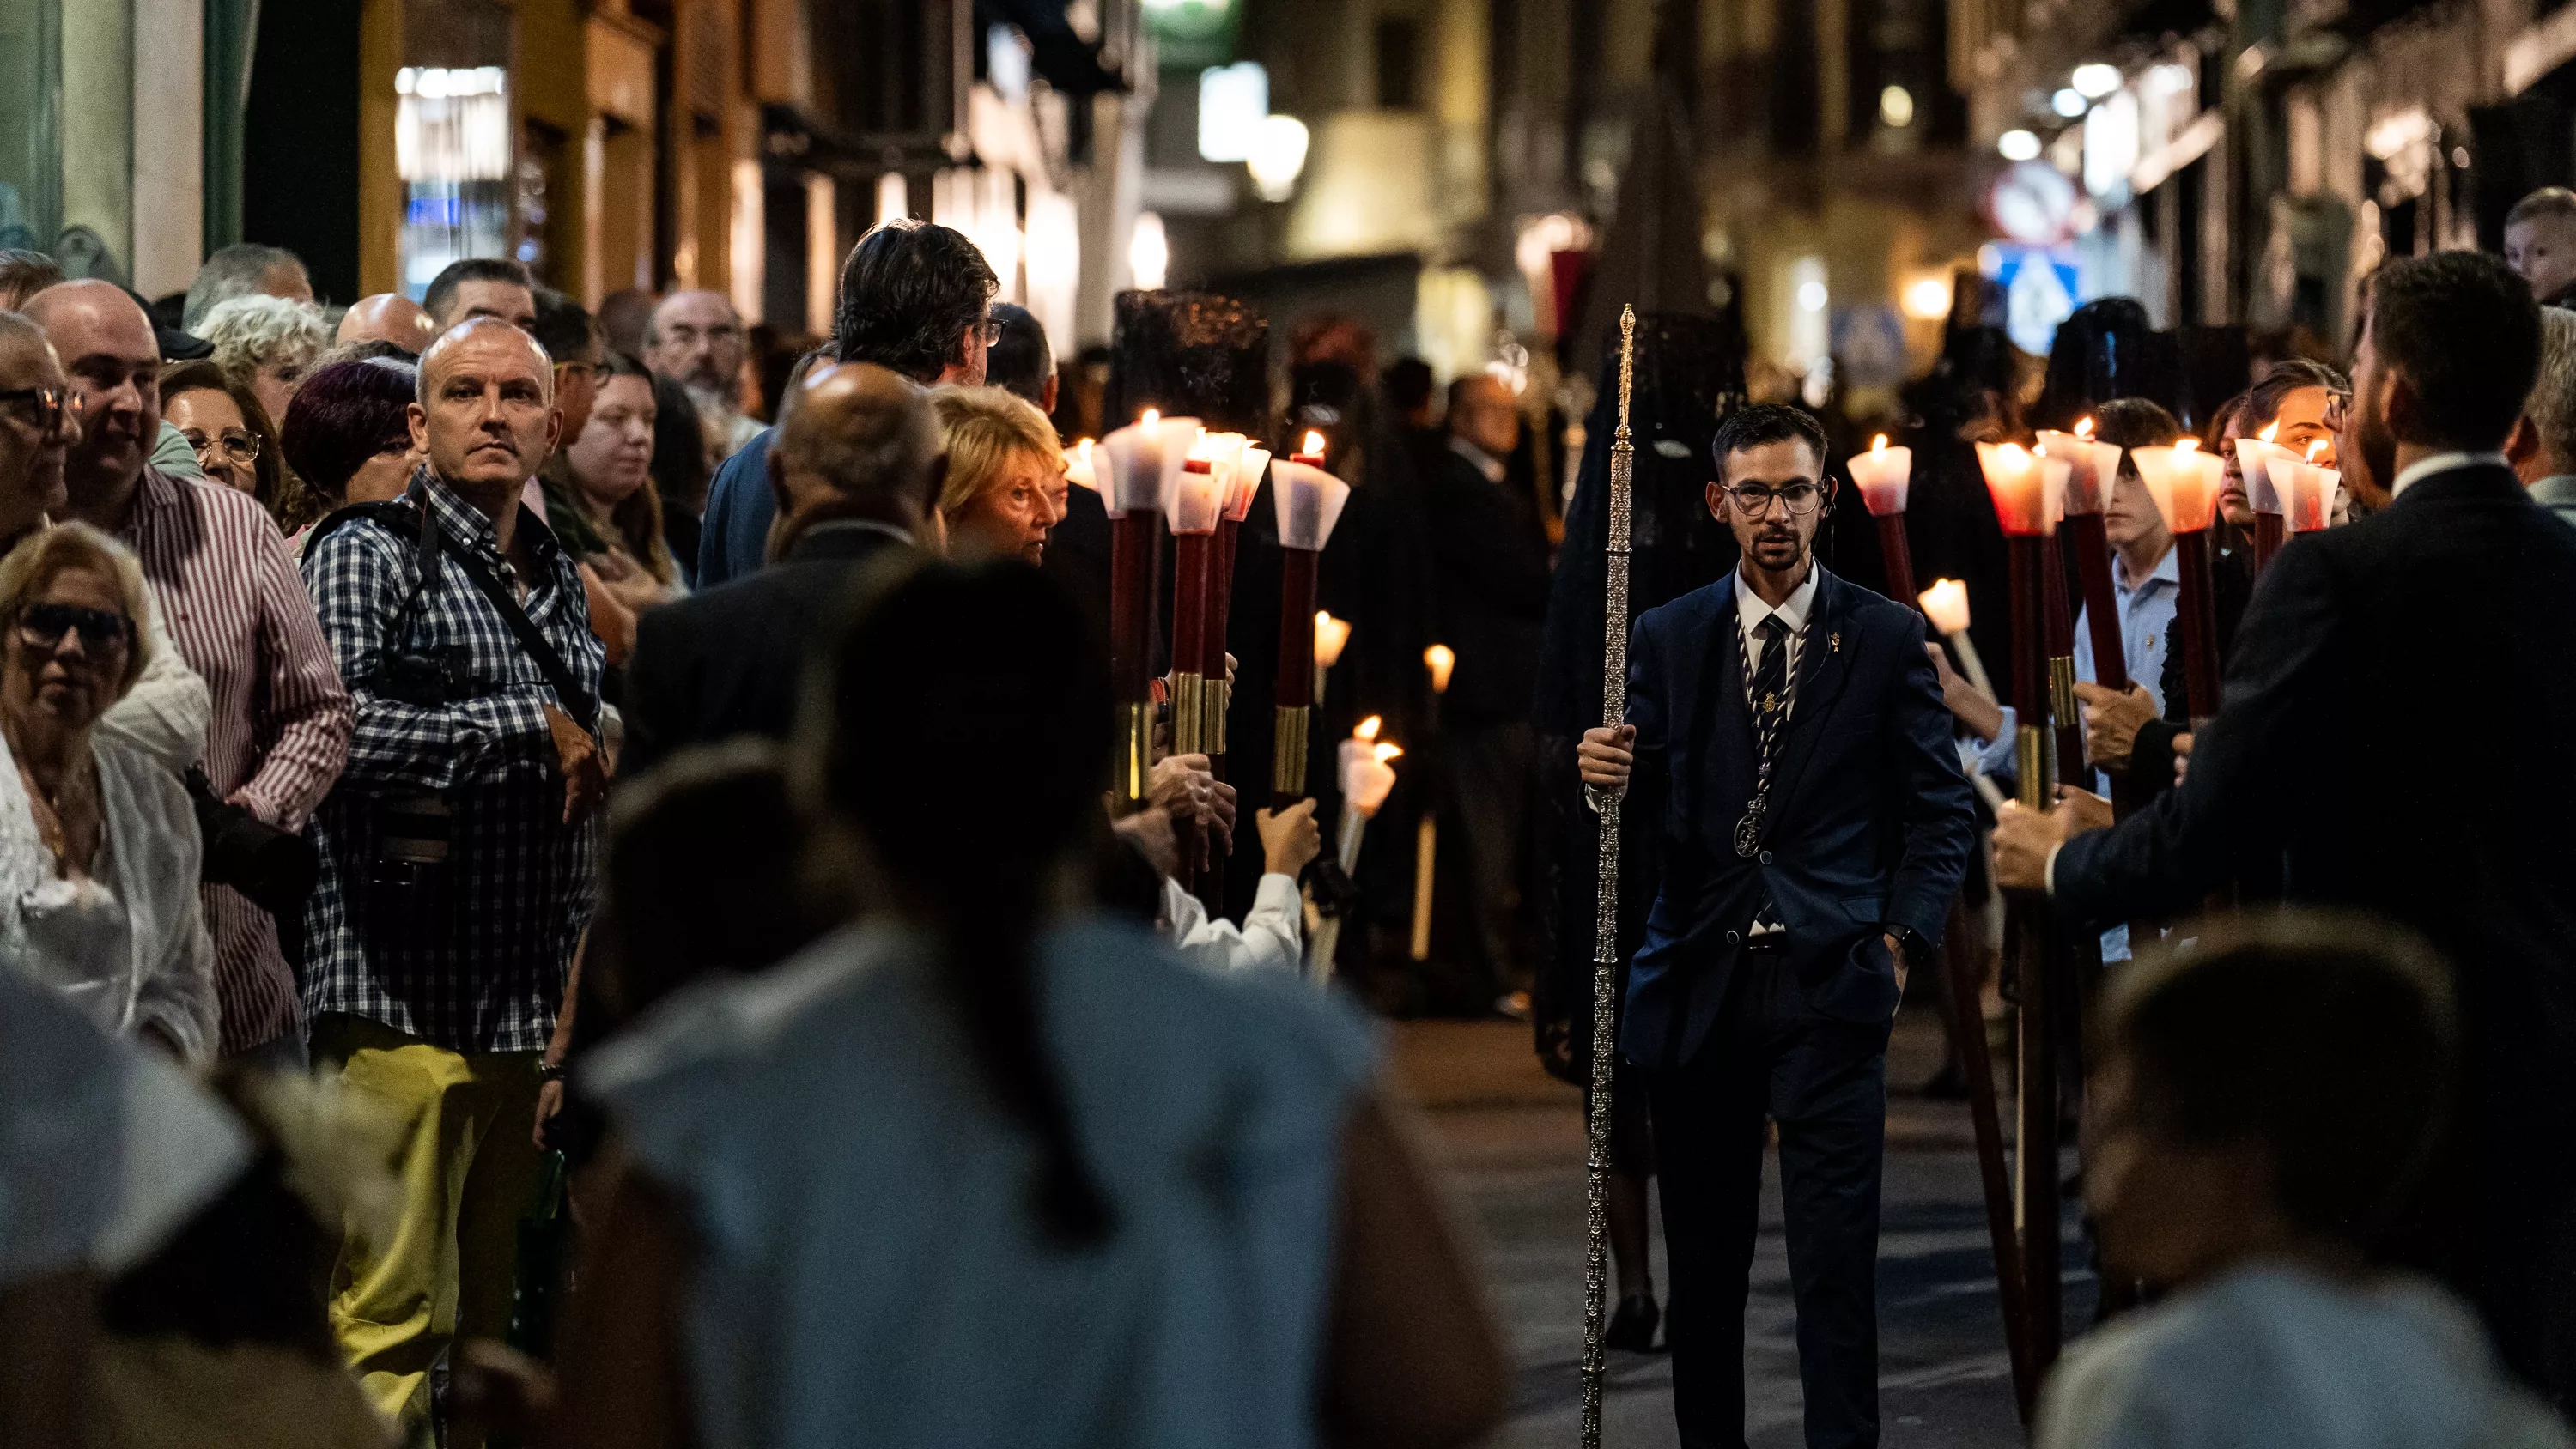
x=1788 y=740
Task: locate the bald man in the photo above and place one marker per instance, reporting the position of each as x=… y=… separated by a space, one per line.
x=225 y=587
x=437 y=966
x=854 y=470
x=387 y=317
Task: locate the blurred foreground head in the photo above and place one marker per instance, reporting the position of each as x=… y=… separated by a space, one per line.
x=978 y=858
x=856 y=441
x=2277 y=1089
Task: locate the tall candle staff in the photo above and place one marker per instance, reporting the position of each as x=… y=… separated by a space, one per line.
x=2062 y=712
x=1605 y=900
x=1242 y=484
x=2184 y=482
x=1192 y=510
x=2094 y=469
x=1309 y=502
x=2254 y=459
x=1145 y=460
x=2017 y=483
x=1330 y=635
x=1882 y=474
x=1440 y=659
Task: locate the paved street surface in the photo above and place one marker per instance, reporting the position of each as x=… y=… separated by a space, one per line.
x=1509 y=1142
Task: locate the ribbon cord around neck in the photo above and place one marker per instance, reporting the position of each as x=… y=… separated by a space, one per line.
x=1766 y=728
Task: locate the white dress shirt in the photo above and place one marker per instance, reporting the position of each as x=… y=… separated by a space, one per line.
x=2442 y=463
x=1750 y=611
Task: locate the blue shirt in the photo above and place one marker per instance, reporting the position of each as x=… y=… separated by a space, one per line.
x=2146 y=613
x=733 y=539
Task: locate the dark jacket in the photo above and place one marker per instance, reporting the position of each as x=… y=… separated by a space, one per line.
x=729 y=661
x=1490 y=576
x=733 y=537
x=2379 y=670
x=1870 y=817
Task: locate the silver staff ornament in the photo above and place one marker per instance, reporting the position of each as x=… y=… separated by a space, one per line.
x=1605 y=938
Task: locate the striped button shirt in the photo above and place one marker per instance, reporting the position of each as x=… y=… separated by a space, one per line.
x=279 y=729
x=519 y=882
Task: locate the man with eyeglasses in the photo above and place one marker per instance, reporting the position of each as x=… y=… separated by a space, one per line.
x=916 y=298
x=696 y=339
x=1792 y=757
x=164 y=714
x=227 y=589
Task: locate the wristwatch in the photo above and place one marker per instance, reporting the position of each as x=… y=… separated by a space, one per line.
x=550 y=1071
x=1913 y=944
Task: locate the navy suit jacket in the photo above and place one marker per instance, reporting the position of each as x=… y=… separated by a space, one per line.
x=2392 y=737
x=1870 y=820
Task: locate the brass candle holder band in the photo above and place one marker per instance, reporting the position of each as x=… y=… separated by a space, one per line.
x=2061 y=688
x=1219 y=702
x=1189 y=714
x=1288 y=750
x=1135 y=748
x=2030 y=760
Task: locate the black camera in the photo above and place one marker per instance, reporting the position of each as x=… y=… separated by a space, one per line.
x=407 y=881
x=275 y=868
x=427 y=678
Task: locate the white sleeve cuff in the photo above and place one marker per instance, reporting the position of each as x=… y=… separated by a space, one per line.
x=2050 y=874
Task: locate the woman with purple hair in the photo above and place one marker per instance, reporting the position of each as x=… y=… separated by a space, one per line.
x=348 y=433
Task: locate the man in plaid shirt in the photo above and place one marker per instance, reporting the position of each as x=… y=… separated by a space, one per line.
x=458 y=849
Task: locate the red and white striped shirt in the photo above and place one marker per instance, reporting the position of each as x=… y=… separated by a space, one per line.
x=230 y=596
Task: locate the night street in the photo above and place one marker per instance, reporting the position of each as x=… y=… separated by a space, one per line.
x=1511 y=1141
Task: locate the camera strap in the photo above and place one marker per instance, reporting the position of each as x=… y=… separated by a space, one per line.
x=416 y=518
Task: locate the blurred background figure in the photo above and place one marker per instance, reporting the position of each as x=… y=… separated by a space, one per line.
x=267 y=345
x=697 y=338
x=386 y=317
x=244 y=269
x=348 y=433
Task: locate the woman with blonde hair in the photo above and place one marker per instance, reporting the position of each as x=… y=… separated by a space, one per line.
x=1006 y=483
x=99 y=848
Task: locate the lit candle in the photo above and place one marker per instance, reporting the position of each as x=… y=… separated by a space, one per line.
x=2307 y=491
x=1366 y=775
x=1330 y=635
x=1946 y=605
x=1245 y=481
x=1077 y=466
x=1143 y=465
x=1309 y=502
x=1310 y=452
x=2018 y=486
x=1197 y=497
x=2254 y=457
x=2092 y=467
x=1439 y=659
x=1882 y=475
x=2054 y=476
x=2184 y=483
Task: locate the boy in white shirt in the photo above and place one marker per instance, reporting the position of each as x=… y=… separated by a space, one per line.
x=2263 y=1108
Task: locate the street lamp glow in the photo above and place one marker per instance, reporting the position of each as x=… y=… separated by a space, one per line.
x=1276 y=156
x=1896 y=107
x=2017 y=146
x=1811 y=296
x=2069 y=103
x=1149 y=252
x=1928 y=298
x=2096 y=80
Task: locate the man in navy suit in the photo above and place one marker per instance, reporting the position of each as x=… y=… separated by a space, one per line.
x=2448 y=614
x=1793 y=761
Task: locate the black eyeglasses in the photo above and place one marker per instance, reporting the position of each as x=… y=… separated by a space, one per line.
x=1755 y=499
x=989 y=330
x=239 y=446
x=52 y=405
x=44 y=625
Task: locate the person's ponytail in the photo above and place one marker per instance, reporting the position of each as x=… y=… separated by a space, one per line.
x=979 y=836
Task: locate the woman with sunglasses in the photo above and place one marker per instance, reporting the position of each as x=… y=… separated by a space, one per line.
x=99 y=849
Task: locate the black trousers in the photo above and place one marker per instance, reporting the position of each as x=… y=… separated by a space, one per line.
x=1825 y=1083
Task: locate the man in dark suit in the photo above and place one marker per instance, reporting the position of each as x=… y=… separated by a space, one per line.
x=1793 y=757
x=855 y=474
x=1489 y=581
x=2392 y=733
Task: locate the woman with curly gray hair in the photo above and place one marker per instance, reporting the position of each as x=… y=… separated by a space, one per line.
x=266 y=344
x=99 y=849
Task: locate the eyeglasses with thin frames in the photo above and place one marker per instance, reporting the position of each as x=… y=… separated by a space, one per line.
x=1755 y=500
x=239 y=446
